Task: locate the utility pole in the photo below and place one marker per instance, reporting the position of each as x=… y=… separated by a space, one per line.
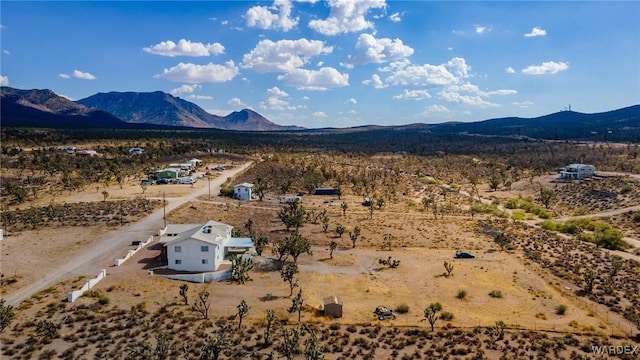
x=164 y=210
x=209 y=178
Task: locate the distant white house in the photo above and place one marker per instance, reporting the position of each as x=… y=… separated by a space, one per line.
x=242 y=191
x=136 y=151
x=577 y=171
x=201 y=247
x=195 y=163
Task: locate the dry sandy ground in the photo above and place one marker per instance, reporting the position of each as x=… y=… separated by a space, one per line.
x=41 y=257
x=420 y=243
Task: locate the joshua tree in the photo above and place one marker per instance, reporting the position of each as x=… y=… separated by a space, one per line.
x=105 y=195
x=202 y=304
x=297 y=244
x=184 y=288
x=297 y=304
x=430 y=314
x=340 y=229
x=270 y=320
x=312 y=351
x=6 y=315
x=289 y=342
x=292 y=215
x=387 y=240
x=240 y=267
x=448 y=267
x=243 y=309
x=344 y=206
x=261 y=242
x=216 y=344
x=288 y=274
x=589 y=278
x=353 y=235
x=498 y=329
x=324 y=218
x=332 y=247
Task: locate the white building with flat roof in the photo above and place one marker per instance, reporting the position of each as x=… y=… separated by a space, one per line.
x=577 y=171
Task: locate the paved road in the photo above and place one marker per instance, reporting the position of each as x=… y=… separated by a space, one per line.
x=114 y=244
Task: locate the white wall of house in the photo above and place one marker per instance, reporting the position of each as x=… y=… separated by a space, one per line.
x=242 y=192
x=189 y=256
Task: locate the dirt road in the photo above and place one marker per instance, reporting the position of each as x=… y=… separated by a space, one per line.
x=113 y=244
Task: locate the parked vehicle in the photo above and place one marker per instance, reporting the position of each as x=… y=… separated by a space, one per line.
x=162 y=181
x=187 y=180
x=464 y=255
x=384 y=313
x=146 y=182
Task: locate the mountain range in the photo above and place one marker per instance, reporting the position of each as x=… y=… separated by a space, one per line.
x=152 y=110
x=44 y=108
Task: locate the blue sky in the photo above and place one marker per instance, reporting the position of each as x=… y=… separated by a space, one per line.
x=334 y=63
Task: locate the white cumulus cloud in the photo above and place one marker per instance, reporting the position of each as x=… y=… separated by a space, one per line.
x=235 y=102
x=347 y=16
x=375 y=81
x=434 y=109
x=480 y=29
x=4 y=80
x=319 y=114
x=261 y=16
x=536 y=31
x=352 y=101
x=185 y=48
x=323 y=79
x=546 y=68
x=372 y=50
x=283 y=55
x=192 y=73
x=273 y=99
x=413 y=95
x=64 y=76
x=184 y=89
x=82 y=75
x=510 y=70
x=395 y=17
x=420 y=75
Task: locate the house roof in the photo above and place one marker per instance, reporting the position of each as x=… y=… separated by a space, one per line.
x=211 y=232
x=332 y=300
x=244 y=185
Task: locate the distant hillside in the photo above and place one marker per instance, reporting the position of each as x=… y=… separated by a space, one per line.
x=617 y=125
x=43 y=108
x=164 y=109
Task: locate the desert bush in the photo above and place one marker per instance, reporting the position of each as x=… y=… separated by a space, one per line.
x=518 y=215
x=561 y=309
x=462 y=294
x=402 y=308
x=446 y=316
x=636 y=216
x=495 y=294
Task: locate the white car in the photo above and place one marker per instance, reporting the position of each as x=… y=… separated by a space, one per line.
x=187 y=180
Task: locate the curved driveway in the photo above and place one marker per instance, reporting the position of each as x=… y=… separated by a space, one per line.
x=113 y=244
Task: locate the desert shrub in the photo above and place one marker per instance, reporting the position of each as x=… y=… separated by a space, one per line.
x=435 y=306
x=626 y=188
x=402 y=308
x=588 y=237
x=495 y=294
x=636 y=217
x=518 y=215
x=548 y=225
x=462 y=294
x=561 y=309
x=580 y=210
x=511 y=204
x=446 y=316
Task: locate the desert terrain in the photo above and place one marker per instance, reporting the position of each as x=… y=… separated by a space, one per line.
x=524 y=297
